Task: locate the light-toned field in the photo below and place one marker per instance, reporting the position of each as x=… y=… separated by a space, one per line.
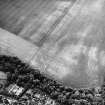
x=66 y=38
